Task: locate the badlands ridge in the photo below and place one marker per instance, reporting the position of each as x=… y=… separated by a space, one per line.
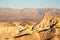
x=47 y=29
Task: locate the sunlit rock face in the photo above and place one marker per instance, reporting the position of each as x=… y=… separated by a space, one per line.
x=47 y=29
x=48 y=21
x=13 y=31
x=27 y=24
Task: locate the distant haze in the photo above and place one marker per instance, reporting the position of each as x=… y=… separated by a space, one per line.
x=26 y=14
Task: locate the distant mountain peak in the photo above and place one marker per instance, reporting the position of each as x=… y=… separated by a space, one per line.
x=31 y=14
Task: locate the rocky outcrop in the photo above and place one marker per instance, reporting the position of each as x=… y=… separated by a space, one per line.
x=47 y=29
x=48 y=22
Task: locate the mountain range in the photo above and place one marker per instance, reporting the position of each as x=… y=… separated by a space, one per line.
x=26 y=14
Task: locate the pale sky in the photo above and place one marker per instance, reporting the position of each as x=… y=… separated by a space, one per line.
x=30 y=3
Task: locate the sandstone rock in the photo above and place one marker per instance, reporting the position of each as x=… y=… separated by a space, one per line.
x=47 y=29
x=27 y=24
x=48 y=22
x=46 y=26
x=33 y=36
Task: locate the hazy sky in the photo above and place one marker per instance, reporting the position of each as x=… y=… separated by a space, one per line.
x=30 y=3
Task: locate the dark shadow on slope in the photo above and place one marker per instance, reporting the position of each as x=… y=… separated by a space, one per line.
x=21 y=35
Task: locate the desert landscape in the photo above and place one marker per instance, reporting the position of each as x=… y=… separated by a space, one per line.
x=26 y=14
x=29 y=19
x=48 y=28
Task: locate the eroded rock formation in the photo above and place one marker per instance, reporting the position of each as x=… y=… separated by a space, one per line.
x=47 y=29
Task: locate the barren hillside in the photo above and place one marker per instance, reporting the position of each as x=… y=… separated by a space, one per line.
x=47 y=29
x=28 y=14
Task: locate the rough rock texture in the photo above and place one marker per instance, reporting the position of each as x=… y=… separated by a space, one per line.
x=48 y=21
x=47 y=29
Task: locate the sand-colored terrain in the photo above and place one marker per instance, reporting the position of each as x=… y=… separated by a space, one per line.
x=47 y=29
